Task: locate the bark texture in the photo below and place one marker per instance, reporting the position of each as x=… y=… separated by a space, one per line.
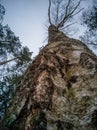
x=58 y=90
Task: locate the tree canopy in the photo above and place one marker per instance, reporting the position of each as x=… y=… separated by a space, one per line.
x=14 y=58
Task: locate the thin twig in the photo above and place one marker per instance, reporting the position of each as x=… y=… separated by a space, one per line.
x=78 y=12
x=75 y=8
x=67 y=7
x=67 y=26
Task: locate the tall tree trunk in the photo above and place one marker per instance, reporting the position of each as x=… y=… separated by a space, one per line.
x=58 y=90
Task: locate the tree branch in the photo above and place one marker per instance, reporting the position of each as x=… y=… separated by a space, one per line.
x=57 y=11
x=49 y=12
x=78 y=12
x=68 y=15
x=19 y=57
x=4 y=62
x=67 y=7
x=75 y=8
x=67 y=26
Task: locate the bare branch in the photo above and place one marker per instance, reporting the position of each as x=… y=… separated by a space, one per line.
x=62 y=12
x=57 y=11
x=75 y=8
x=13 y=59
x=49 y=12
x=67 y=26
x=78 y=12
x=67 y=7
x=68 y=15
x=4 y=62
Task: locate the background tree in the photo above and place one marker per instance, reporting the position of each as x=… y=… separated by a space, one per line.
x=2 y=12
x=90 y=19
x=14 y=59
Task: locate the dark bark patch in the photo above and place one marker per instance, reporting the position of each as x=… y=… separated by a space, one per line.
x=63 y=92
x=40 y=122
x=21 y=118
x=64 y=125
x=68 y=126
x=94 y=119
x=59 y=125
x=73 y=79
x=69 y=84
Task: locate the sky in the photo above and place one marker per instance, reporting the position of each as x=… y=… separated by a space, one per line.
x=28 y=19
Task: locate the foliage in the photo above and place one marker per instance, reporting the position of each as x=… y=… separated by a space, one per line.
x=2 y=12
x=10 y=72
x=90 y=19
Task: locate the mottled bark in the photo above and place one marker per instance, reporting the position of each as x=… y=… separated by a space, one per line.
x=58 y=90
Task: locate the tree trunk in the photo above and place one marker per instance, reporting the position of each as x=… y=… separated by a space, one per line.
x=58 y=90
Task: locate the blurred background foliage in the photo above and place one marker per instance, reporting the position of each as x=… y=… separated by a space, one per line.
x=14 y=59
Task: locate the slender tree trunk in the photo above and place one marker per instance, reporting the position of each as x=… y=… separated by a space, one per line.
x=58 y=90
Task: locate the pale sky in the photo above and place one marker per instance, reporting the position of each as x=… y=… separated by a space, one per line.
x=28 y=20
